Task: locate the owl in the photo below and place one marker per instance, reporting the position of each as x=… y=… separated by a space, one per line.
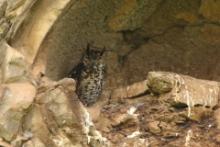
x=89 y=74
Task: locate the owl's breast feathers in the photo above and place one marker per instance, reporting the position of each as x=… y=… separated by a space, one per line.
x=90 y=84
x=89 y=74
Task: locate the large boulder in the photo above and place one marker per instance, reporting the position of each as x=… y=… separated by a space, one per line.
x=15 y=99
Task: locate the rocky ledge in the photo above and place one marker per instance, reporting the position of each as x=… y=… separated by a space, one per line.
x=165 y=109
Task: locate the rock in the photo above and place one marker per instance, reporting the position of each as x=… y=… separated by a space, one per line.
x=62 y=106
x=15 y=99
x=217 y=117
x=92 y=22
x=119 y=93
x=130 y=91
x=113 y=74
x=217 y=138
x=120 y=115
x=57 y=101
x=210 y=10
x=14 y=12
x=199 y=113
x=162 y=128
x=14 y=66
x=169 y=14
x=205 y=35
x=137 y=89
x=198 y=96
x=95 y=109
x=59 y=106
x=94 y=137
x=188 y=90
x=157 y=35
x=134 y=142
x=4 y=27
x=97 y=140
x=179 y=119
x=67 y=117
x=157 y=84
x=154 y=127
x=210 y=34
x=124 y=119
x=4 y=144
x=32 y=35
x=116 y=122
x=3 y=6
x=34 y=142
x=34 y=122
x=4 y=23
x=61 y=140
x=131 y=14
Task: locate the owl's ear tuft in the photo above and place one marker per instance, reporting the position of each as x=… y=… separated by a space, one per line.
x=88 y=49
x=103 y=50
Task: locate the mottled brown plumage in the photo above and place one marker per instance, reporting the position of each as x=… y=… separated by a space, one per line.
x=89 y=74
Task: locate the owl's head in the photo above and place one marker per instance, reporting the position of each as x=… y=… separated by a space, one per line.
x=93 y=54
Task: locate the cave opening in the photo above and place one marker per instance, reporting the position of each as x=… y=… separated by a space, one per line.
x=161 y=39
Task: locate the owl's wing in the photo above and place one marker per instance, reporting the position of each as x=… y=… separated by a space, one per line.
x=76 y=71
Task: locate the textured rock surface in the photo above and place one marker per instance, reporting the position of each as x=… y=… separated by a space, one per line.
x=13 y=65
x=67 y=116
x=58 y=102
x=33 y=143
x=131 y=91
x=43 y=14
x=55 y=119
x=131 y=14
x=15 y=100
x=12 y=15
x=185 y=89
x=160 y=83
x=210 y=10
x=43 y=112
x=180 y=36
x=217 y=117
x=156 y=120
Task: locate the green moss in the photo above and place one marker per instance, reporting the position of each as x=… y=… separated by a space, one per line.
x=159 y=86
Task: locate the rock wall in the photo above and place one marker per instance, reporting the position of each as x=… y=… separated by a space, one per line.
x=48 y=37
x=140 y=36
